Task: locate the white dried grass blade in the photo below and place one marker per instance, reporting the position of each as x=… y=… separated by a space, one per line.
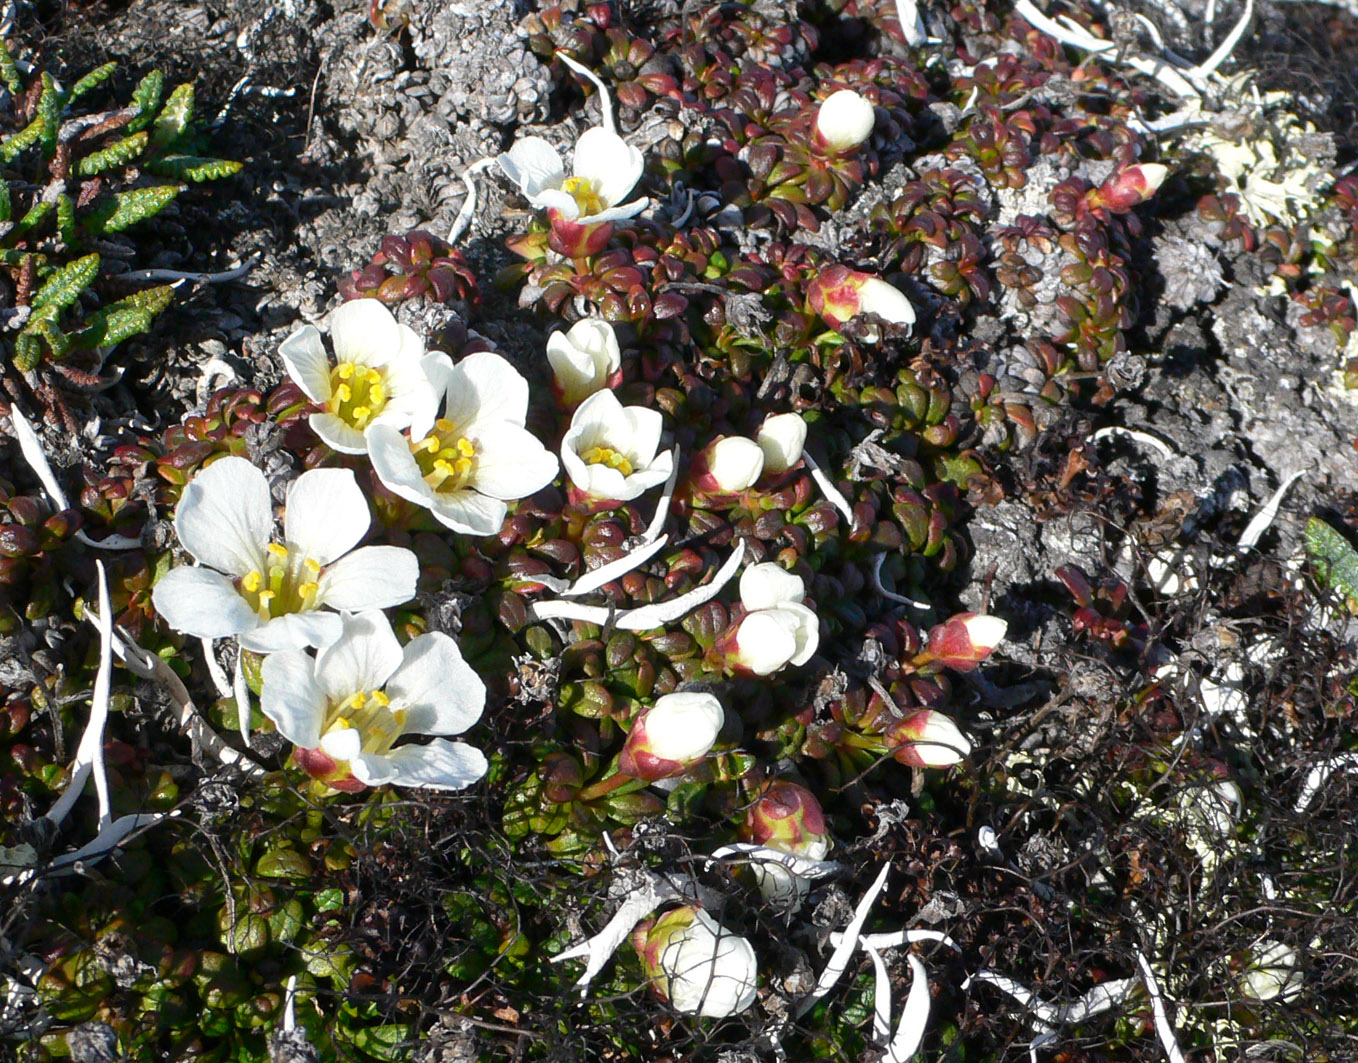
x=892 y=596
x=1320 y=774
x=881 y=995
x=897 y=939
x=1263 y=520
x=241 y=693
x=1226 y=47
x=1097 y=1000
x=110 y=836
x=798 y=865
x=596 y=578
x=828 y=488
x=289 y=997
x=912 y=26
x=839 y=959
x=89 y=754
x=1044 y=1014
x=662 y=507
x=915 y=1017
x=605 y=101
x=214 y=670
x=1163 y=1028
x=1154 y=442
x=31 y=448
x=602 y=945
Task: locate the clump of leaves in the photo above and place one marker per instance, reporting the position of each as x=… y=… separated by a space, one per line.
x=72 y=178
x=1333 y=559
x=407 y=267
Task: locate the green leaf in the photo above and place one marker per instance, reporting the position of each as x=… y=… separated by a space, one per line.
x=64 y=286
x=11 y=146
x=386 y=1043
x=329 y=900
x=119 y=153
x=27 y=352
x=49 y=113
x=9 y=73
x=124 y=319
x=6 y=207
x=92 y=80
x=146 y=98
x=1333 y=558
x=125 y=209
x=66 y=220
x=173 y=120
x=57 y=342
x=194 y=167
x=36 y=215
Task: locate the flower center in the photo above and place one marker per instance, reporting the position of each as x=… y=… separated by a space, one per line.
x=288 y=584
x=358 y=393
x=368 y=712
x=607 y=456
x=585 y=194
x=447 y=459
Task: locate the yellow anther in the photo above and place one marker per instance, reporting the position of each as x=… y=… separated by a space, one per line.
x=381 y=698
x=445 y=425
x=312 y=566
x=344 y=370
x=278 y=550
x=360 y=416
x=265 y=597
x=466 y=448
x=343 y=394
x=377 y=394
x=373 y=377
x=607 y=456
x=582 y=190
x=309 y=590
x=252 y=581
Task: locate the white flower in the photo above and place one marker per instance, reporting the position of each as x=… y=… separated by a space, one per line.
x=604 y=170
x=928 y=739
x=702 y=967
x=583 y=360
x=347 y=707
x=268 y=593
x=671 y=736
x=609 y=451
x=1272 y=973
x=728 y=465
x=780 y=885
x=466 y=465
x=781 y=438
x=377 y=377
x=777 y=629
x=844 y=121
x=876 y=296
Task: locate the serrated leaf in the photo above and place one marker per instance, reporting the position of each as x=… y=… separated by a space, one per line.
x=9 y=73
x=11 y=146
x=27 y=352
x=146 y=98
x=49 y=114
x=1333 y=558
x=36 y=215
x=125 y=209
x=66 y=220
x=194 y=167
x=64 y=286
x=174 y=118
x=6 y=207
x=92 y=80
x=58 y=344
x=119 y=153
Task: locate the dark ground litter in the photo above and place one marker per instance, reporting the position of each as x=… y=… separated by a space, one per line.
x=349 y=134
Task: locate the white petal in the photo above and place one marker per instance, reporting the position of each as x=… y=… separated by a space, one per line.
x=469 y=512
x=392 y=460
x=364 y=332
x=876 y=296
x=768 y=584
x=807 y=632
x=914 y=1017
x=618 y=213
x=845 y=120
x=326 y=513
x=533 y=165
x=307 y=363
x=225 y=516
x=511 y=462
x=643 y=434
x=342 y=744
x=437 y=368
x=439 y=765
x=361 y=659
x=766 y=641
x=292 y=631
x=338 y=434
x=735 y=463
x=291 y=698
x=440 y=692
x=484 y=388
x=611 y=164
x=373 y=577
x=782 y=438
x=203 y=603
x=554 y=199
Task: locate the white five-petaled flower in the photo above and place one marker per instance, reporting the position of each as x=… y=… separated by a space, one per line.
x=584 y=360
x=777 y=629
x=609 y=451
x=844 y=121
x=346 y=708
x=604 y=171
x=466 y=465
x=377 y=378
x=272 y=594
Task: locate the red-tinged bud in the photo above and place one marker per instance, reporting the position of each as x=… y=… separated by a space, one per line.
x=1129 y=188
x=839 y=294
x=575 y=240
x=324 y=768
x=927 y=739
x=963 y=641
x=787 y=817
x=726 y=466
x=670 y=737
x=843 y=122
x=700 y=967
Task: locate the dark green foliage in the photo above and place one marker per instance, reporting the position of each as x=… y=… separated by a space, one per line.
x=73 y=177
x=1333 y=559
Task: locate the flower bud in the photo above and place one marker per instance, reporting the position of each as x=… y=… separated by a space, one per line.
x=671 y=736
x=787 y=817
x=1130 y=187
x=728 y=466
x=584 y=360
x=839 y=294
x=777 y=629
x=927 y=739
x=700 y=967
x=963 y=641
x=781 y=437
x=1272 y=973
x=844 y=122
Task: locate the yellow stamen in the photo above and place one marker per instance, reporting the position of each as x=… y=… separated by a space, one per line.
x=358 y=394
x=447 y=459
x=252 y=581
x=586 y=196
x=607 y=456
